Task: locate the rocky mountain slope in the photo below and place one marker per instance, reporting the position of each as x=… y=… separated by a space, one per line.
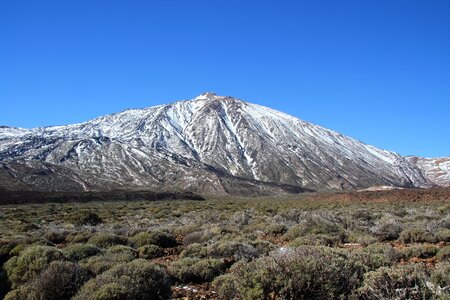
x=436 y=170
x=211 y=144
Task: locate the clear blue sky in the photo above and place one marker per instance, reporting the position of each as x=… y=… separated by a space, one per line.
x=376 y=70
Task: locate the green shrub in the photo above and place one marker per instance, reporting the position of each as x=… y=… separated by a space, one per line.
x=300 y=273
x=84 y=217
x=443 y=235
x=315 y=240
x=262 y=247
x=315 y=228
x=158 y=238
x=293 y=232
x=404 y=282
x=237 y=250
x=443 y=254
x=377 y=255
x=195 y=250
x=101 y=263
x=440 y=275
x=388 y=231
x=275 y=229
x=24 y=292
x=18 y=249
x=140 y=279
x=420 y=251
x=416 y=235
x=196 y=270
x=77 y=252
x=30 y=263
x=122 y=249
x=150 y=251
x=361 y=238
x=17 y=246
x=111 y=291
x=28 y=227
x=5 y=249
x=227 y=287
x=197 y=237
x=78 y=237
x=106 y=240
x=61 y=280
x=56 y=237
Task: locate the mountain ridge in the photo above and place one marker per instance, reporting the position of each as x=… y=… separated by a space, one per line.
x=210 y=144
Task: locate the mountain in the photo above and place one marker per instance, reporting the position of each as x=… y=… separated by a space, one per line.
x=211 y=145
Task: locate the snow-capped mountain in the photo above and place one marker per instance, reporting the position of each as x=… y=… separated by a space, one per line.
x=210 y=144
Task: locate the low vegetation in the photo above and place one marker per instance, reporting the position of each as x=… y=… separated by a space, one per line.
x=284 y=248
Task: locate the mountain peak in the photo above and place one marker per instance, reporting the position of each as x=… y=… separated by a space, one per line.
x=207 y=96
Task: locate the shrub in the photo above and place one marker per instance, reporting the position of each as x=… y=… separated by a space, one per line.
x=237 y=250
x=105 y=240
x=443 y=235
x=376 y=255
x=300 y=273
x=158 y=238
x=111 y=291
x=140 y=279
x=21 y=293
x=294 y=232
x=84 y=217
x=100 y=263
x=443 y=254
x=196 y=270
x=78 y=237
x=77 y=252
x=17 y=246
x=61 y=280
x=197 y=237
x=420 y=251
x=56 y=237
x=227 y=287
x=388 y=231
x=275 y=229
x=18 y=249
x=194 y=250
x=416 y=235
x=150 y=251
x=121 y=249
x=315 y=240
x=363 y=239
x=405 y=282
x=315 y=228
x=441 y=275
x=28 y=227
x=30 y=263
x=262 y=247
x=5 y=249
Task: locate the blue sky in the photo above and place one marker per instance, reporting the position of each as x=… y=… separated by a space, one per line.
x=376 y=70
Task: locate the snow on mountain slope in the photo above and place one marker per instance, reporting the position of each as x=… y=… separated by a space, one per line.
x=211 y=144
x=436 y=170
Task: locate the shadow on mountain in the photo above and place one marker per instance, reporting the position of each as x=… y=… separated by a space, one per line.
x=20 y=197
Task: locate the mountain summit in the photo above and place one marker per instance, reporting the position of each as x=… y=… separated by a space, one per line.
x=211 y=144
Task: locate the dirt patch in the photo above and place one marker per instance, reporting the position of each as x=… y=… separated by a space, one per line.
x=194 y=291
